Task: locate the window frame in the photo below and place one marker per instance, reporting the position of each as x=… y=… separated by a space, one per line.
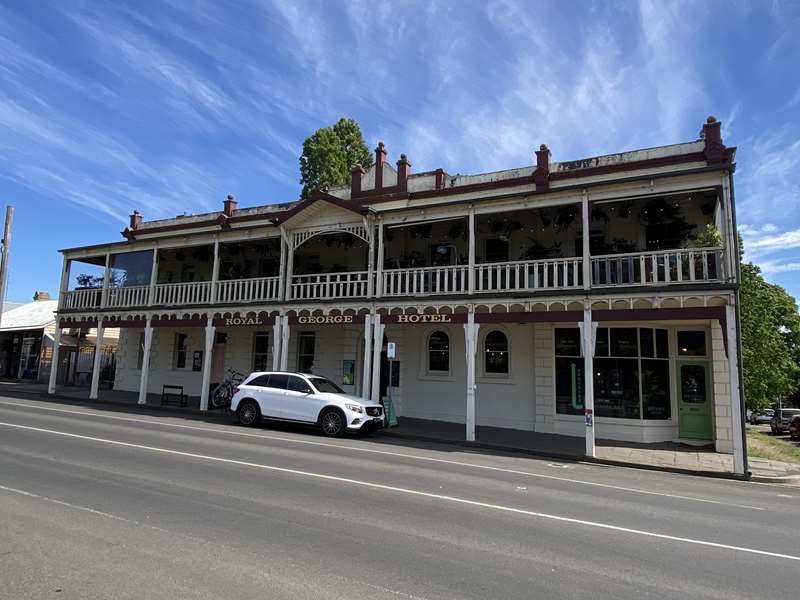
x=669 y=359
x=491 y=376
x=303 y=335
x=427 y=354
x=256 y=335
x=180 y=353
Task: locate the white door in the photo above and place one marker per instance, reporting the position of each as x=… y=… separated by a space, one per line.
x=270 y=390
x=301 y=402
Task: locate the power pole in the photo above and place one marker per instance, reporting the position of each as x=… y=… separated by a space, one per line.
x=6 y=243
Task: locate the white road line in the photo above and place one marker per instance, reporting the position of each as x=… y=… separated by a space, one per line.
x=100 y=513
x=388 y=453
x=418 y=493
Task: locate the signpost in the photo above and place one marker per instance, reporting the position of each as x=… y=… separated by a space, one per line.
x=391 y=416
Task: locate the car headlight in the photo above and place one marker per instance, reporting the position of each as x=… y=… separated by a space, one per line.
x=355 y=408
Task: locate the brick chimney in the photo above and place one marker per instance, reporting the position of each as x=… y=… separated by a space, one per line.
x=403 y=171
x=712 y=135
x=541 y=175
x=136 y=220
x=355 y=179
x=38 y=296
x=229 y=206
x=439 y=174
x=380 y=158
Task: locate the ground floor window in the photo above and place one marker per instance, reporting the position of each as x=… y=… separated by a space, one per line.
x=631 y=373
x=496 y=351
x=305 y=352
x=438 y=352
x=260 y=351
x=179 y=352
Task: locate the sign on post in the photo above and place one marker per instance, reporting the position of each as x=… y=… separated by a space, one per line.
x=391 y=350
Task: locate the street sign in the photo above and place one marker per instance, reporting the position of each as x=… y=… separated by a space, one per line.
x=391 y=350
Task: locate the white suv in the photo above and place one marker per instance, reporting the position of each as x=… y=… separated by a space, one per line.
x=301 y=398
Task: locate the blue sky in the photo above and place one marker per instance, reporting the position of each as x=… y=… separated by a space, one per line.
x=166 y=107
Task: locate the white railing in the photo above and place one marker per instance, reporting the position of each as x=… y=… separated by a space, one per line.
x=329 y=285
x=529 y=275
x=657 y=268
x=426 y=280
x=135 y=295
x=248 y=290
x=89 y=298
x=198 y=292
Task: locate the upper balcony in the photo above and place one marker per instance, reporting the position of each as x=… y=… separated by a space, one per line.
x=659 y=241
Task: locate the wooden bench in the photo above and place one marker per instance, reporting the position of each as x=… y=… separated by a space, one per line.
x=173 y=394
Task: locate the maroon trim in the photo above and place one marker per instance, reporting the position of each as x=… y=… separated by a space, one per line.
x=73 y=323
x=244 y=321
x=574 y=169
x=325 y=320
x=703 y=313
x=565 y=316
x=179 y=322
x=124 y=323
x=425 y=319
x=316 y=197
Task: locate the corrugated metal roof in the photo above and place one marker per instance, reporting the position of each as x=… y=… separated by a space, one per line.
x=33 y=315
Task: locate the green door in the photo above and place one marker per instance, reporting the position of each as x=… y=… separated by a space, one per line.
x=694 y=401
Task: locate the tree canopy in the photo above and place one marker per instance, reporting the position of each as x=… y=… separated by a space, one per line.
x=330 y=153
x=770 y=339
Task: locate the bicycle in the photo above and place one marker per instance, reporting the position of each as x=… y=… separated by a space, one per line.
x=223 y=393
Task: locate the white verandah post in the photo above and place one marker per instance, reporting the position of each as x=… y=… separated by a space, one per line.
x=585 y=237
x=145 y=376
x=282 y=269
x=379 y=266
x=471 y=256
x=276 y=343
x=51 y=384
x=470 y=342
x=367 y=368
x=151 y=294
x=207 y=358
x=736 y=391
x=369 y=225
x=98 y=354
x=214 y=274
x=64 y=286
x=106 y=282
x=377 y=347
x=587 y=329
x=285 y=332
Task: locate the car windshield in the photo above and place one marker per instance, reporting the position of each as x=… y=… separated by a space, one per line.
x=790 y=412
x=325 y=385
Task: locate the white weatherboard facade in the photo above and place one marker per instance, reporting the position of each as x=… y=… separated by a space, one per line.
x=500 y=292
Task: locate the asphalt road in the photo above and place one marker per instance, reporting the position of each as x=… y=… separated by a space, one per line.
x=102 y=503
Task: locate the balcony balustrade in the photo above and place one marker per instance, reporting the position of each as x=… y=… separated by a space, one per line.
x=426 y=280
x=668 y=267
x=248 y=290
x=690 y=265
x=135 y=295
x=172 y=294
x=326 y=286
x=529 y=275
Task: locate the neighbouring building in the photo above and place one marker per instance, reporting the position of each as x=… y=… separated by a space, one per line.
x=27 y=333
x=501 y=292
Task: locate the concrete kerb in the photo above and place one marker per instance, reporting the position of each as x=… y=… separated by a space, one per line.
x=225 y=417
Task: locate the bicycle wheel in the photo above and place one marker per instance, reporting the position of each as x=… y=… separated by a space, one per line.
x=221 y=396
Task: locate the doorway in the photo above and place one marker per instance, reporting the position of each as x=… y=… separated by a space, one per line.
x=694 y=401
x=218 y=359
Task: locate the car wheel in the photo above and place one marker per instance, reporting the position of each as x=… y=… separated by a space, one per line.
x=332 y=422
x=248 y=412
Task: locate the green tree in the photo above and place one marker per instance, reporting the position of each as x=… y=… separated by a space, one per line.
x=770 y=339
x=330 y=153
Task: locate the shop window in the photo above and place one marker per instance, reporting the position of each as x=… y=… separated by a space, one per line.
x=179 y=352
x=631 y=373
x=569 y=372
x=260 y=351
x=691 y=343
x=496 y=353
x=305 y=352
x=439 y=352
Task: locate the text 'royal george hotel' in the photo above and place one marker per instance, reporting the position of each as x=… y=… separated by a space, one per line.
x=501 y=291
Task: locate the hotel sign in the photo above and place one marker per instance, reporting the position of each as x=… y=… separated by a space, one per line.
x=325 y=320
x=255 y=321
x=414 y=319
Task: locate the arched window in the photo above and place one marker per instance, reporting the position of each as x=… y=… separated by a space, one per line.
x=495 y=347
x=438 y=352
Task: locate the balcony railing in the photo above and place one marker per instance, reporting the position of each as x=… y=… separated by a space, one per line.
x=135 y=295
x=248 y=290
x=329 y=285
x=77 y=299
x=197 y=292
x=657 y=268
x=667 y=267
x=529 y=275
x=426 y=280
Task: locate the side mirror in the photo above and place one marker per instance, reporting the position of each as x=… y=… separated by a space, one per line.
x=308 y=391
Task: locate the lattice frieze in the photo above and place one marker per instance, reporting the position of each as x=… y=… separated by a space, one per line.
x=300 y=237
